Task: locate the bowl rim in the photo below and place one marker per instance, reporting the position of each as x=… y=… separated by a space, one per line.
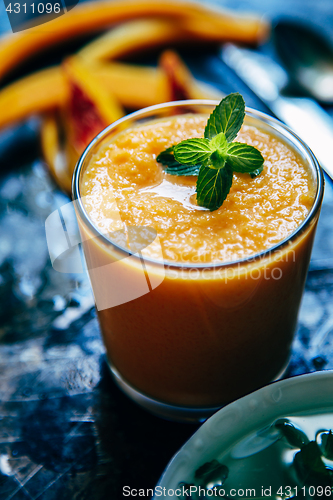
x=299 y=394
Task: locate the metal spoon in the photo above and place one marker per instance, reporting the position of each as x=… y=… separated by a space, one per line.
x=308 y=58
x=267 y=79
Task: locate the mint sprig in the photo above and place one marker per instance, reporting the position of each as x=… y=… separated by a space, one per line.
x=173 y=167
x=227 y=117
x=215 y=157
x=213 y=186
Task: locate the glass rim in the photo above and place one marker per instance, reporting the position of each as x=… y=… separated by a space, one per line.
x=274 y=123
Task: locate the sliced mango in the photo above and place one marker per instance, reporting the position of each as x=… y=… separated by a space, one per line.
x=182 y=85
x=132 y=37
x=133 y=86
x=90 y=108
x=195 y=19
x=54 y=156
x=36 y=93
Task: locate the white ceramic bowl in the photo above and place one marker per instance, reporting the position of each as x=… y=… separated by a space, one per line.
x=312 y=393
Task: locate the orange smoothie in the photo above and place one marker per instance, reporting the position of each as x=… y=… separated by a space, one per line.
x=221 y=321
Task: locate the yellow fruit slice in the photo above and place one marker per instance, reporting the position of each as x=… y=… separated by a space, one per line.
x=36 y=93
x=89 y=109
x=133 y=86
x=52 y=152
x=195 y=19
x=132 y=37
x=182 y=85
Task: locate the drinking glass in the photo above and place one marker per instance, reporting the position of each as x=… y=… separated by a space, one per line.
x=183 y=339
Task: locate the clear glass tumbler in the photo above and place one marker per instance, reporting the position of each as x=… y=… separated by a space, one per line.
x=182 y=340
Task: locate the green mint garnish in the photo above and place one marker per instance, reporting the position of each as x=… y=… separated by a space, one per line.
x=215 y=157
x=327 y=444
x=294 y=436
x=310 y=467
x=173 y=167
x=211 y=472
x=243 y=158
x=213 y=186
x=227 y=117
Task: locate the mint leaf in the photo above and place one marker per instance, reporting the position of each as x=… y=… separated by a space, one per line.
x=243 y=158
x=167 y=157
x=179 y=169
x=327 y=444
x=214 y=157
x=173 y=167
x=193 y=151
x=217 y=160
x=213 y=186
x=310 y=468
x=219 y=142
x=182 y=492
x=211 y=472
x=293 y=435
x=227 y=117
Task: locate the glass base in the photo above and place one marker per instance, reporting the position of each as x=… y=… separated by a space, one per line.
x=167 y=411
x=163 y=410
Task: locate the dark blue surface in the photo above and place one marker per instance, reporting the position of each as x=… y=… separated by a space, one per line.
x=66 y=432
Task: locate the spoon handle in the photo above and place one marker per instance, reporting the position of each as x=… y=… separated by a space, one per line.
x=304 y=116
x=311 y=123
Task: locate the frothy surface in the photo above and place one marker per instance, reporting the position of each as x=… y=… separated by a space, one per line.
x=124 y=184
